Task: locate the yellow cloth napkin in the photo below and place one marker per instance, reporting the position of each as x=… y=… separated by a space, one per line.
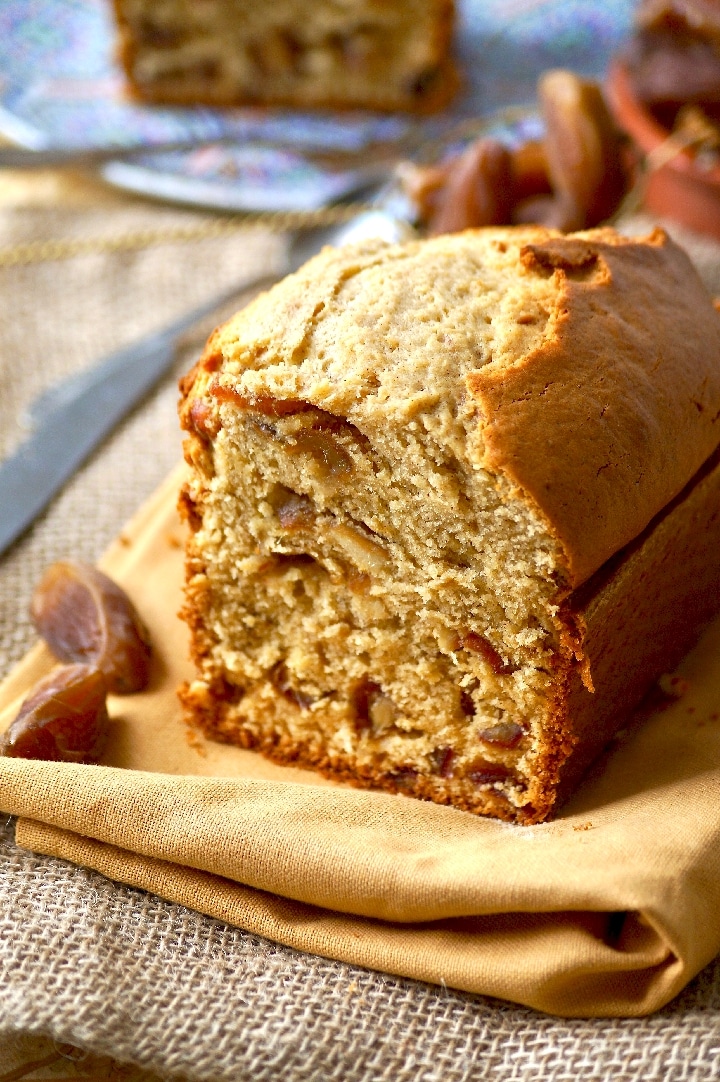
x=609 y=910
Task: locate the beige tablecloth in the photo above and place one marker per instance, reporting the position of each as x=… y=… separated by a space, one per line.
x=119 y=971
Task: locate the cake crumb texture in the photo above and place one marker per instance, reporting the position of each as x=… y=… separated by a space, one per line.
x=429 y=486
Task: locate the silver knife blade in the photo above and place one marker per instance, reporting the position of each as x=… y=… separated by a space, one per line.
x=65 y=391
x=74 y=417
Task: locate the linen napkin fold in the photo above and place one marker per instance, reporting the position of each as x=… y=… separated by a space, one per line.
x=608 y=911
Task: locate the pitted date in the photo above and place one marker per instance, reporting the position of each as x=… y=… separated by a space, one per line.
x=478 y=644
x=441 y=760
x=505 y=734
x=86 y=618
x=64 y=719
x=477 y=190
x=484 y=772
x=582 y=149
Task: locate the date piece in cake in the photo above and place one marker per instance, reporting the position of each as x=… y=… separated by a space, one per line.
x=453 y=508
x=373 y=54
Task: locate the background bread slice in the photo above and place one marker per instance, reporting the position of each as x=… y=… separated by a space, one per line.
x=393 y=55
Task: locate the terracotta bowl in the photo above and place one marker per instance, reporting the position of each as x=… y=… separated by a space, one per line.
x=679 y=189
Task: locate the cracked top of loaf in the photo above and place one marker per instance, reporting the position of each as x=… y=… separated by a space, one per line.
x=581 y=371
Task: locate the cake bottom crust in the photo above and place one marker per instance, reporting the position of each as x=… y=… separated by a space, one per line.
x=210 y=713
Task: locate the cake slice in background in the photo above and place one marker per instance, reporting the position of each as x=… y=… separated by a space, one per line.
x=454 y=507
x=372 y=54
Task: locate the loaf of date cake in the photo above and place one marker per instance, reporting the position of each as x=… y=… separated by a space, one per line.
x=374 y=54
x=454 y=506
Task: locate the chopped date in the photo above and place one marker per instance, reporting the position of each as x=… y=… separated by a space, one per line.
x=483 y=772
x=404 y=777
x=64 y=719
x=506 y=734
x=365 y=692
x=324 y=448
x=158 y=35
x=467 y=703
x=86 y=618
x=262 y=403
x=260 y=423
x=478 y=644
x=296 y=512
x=281 y=681
x=423 y=83
x=278 y=54
x=315 y=439
x=442 y=760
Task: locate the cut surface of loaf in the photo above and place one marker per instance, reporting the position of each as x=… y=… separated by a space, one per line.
x=453 y=508
x=387 y=55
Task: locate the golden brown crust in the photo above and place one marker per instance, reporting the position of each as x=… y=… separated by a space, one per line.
x=639 y=614
x=606 y=420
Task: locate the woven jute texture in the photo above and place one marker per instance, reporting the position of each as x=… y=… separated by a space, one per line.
x=123 y=973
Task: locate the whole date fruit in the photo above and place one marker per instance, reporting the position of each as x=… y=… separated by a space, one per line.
x=87 y=618
x=63 y=719
x=477 y=190
x=582 y=148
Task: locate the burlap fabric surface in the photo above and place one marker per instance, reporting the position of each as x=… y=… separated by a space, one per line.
x=123 y=973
